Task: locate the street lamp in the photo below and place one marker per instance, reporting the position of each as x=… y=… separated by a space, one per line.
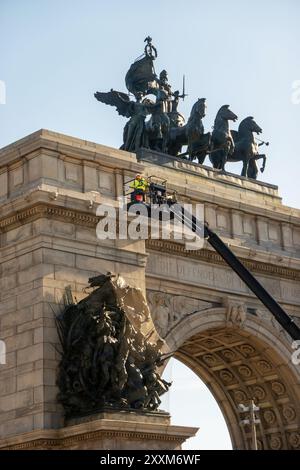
x=252 y=420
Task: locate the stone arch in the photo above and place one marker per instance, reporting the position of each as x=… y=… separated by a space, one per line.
x=239 y=361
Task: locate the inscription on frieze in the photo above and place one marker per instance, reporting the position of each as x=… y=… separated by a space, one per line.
x=216 y=277
x=195 y=273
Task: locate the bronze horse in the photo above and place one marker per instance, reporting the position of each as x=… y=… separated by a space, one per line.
x=246 y=148
x=191 y=134
x=222 y=143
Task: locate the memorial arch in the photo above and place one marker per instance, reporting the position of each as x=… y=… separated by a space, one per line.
x=51 y=187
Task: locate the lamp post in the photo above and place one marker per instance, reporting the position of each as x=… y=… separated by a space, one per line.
x=251 y=420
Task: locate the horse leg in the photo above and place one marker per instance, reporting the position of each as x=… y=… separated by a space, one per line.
x=173 y=147
x=165 y=142
x=165 y=131
x=223 y=161
x=264 y=158
x=245 y=168
x=201 y=157
x=191 y=154
x=145 y=139
x=252 y=169
x=157 y=136
x=215 y=159
x=204 y=148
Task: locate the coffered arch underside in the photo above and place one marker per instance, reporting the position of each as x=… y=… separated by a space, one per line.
x=240 y=356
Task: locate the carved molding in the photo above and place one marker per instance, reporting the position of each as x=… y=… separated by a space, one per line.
x=167 y=309
x=65 y=442
x=168 y=246
x=236 y=312
x=47 y=210
x=272 y=323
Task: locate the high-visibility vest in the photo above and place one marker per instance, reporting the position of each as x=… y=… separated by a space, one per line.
x=141 y=184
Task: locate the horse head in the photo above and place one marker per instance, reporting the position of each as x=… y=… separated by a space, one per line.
x=226 y=114
x=199 y=108
x=250 y=125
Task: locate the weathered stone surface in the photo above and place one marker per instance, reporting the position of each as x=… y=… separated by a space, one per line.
x=48 y=241
x=19 y=341
x=16 y=400
x=16 y=317
x=3 y=184
x=27 y=380
x=110 y=431
x=8 y=383
x=30 y=354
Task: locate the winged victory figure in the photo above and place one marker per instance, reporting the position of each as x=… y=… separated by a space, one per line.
x=134 y=135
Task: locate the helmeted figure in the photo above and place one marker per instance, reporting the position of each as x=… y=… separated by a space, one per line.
x=159 y=124
x=167 y=131
x=139 y=186
x=141 y=80
x=139 y=183
x=166 y=87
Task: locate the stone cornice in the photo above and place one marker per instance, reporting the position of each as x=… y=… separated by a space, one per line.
x=70 y=436
x=176 y=163
x=59 y=442
x=202 y=184
x=205 y=185
x=171 y=247
x=69 y=146
x=41 y=209
x=47 y=210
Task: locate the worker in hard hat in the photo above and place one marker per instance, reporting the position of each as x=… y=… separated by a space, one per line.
x=139 y=186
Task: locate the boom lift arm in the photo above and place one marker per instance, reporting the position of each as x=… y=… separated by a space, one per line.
x=158 y=195
x=229 y=257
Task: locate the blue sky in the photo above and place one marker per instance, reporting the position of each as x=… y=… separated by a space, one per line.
x=55 y=54
x=191 y=404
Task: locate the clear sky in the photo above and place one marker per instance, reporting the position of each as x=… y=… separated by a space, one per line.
x=191 y=404
x=54 y=54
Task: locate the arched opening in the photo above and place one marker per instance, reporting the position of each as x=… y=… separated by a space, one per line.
x=190 y=403
x=239 y=363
